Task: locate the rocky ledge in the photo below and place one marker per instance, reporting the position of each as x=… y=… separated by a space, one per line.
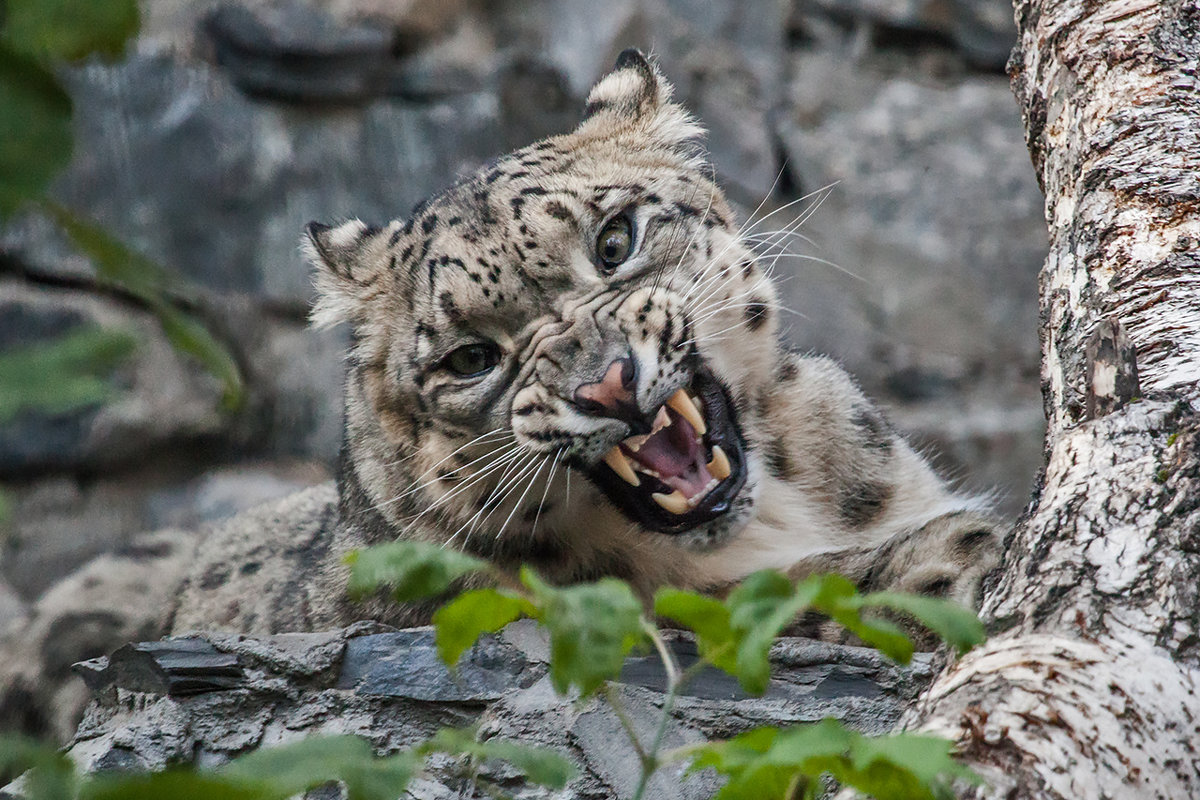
x=204 y=699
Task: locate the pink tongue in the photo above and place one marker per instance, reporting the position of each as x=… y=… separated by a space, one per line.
x=676 y=455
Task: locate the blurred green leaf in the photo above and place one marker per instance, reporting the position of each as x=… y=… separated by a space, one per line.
x=460 y=622
x=291 y=769
x=187 y=335
x=70 y=29
x=759 y=608
x=61 y=375
x=708 y=618
x=123 y=267
x=412 y=570
x=174 y=784
x=958 y=626
x=593 y=626
x=764 y=762
x=35 y=129
x=837 y=598
x=115 y=262
x=51 y=775
x=543 y=767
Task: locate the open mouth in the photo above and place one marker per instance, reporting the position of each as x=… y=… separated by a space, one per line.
x=681 y=467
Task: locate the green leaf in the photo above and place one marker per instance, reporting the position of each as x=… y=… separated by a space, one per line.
x=115 y=262
x=62 y=375
x=291 y=769
x=189 y=336
x=35 y=129
x=413 y=570
x=460 y=622
x=542 y=766
x=837 y=598
x=593 y=626
x=122 y=267
x=903 y=766
x=958 y=626
x=708 y=618
x=175 y=784
x=70 y=29
x=51 y=776
x=760 y=607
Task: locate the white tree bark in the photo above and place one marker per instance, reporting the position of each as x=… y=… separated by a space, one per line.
x=1088 y=685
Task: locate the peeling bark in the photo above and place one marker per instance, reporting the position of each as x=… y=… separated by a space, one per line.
x=1087 y=687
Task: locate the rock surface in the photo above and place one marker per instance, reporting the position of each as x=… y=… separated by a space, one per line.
x=202 y=700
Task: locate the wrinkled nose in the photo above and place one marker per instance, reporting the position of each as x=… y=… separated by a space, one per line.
x=612 y=395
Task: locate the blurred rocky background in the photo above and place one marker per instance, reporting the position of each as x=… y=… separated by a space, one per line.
x=230 y=125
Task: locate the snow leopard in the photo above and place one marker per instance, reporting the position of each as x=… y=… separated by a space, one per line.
x=569 y=359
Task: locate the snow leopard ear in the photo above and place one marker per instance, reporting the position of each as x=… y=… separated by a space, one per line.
x=636 y=95
x=350 y=259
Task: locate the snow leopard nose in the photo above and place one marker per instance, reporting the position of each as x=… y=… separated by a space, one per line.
x=612 y=395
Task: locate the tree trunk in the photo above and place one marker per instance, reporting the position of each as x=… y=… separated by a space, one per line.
x=1087 y=687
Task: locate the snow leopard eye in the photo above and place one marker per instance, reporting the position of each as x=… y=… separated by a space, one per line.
x=615 y=242
x=472 y=360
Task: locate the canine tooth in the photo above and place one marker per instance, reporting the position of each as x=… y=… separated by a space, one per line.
x=719 y=466
x=674 y=502
x=684 y=406
x=620 y=465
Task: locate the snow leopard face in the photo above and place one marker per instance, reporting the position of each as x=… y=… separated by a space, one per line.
x=560 y=350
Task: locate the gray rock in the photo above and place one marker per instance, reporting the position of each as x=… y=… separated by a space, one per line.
x=221 y=186
x=294 y=52
x=934 y=221
x=983 y=31
x=389 y=687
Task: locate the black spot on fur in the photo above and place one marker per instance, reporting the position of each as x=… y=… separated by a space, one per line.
x=756 y=314
x=558 y=211
x=862 y=501
x=874 y=428
x=214 y=577
x=787 y=371
x=594 y=107
x=250 y=567
x=429 y=223
x=779 y=461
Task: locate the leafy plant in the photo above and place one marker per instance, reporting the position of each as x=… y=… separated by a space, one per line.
x=592 y=627
x=36 y=143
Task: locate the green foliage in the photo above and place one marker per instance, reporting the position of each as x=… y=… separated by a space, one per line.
x=541 y=766
x=287 y=771
x=412 y=570
x=464 y=619
x=62 y=375
x=36 y=144
x=119 y=266
x=50 y=775
x=767 y=762
x=69 y=29
x=592 y=626
x=736 y=635
x=35 y=129
x=957 y=626
x=277 y=773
